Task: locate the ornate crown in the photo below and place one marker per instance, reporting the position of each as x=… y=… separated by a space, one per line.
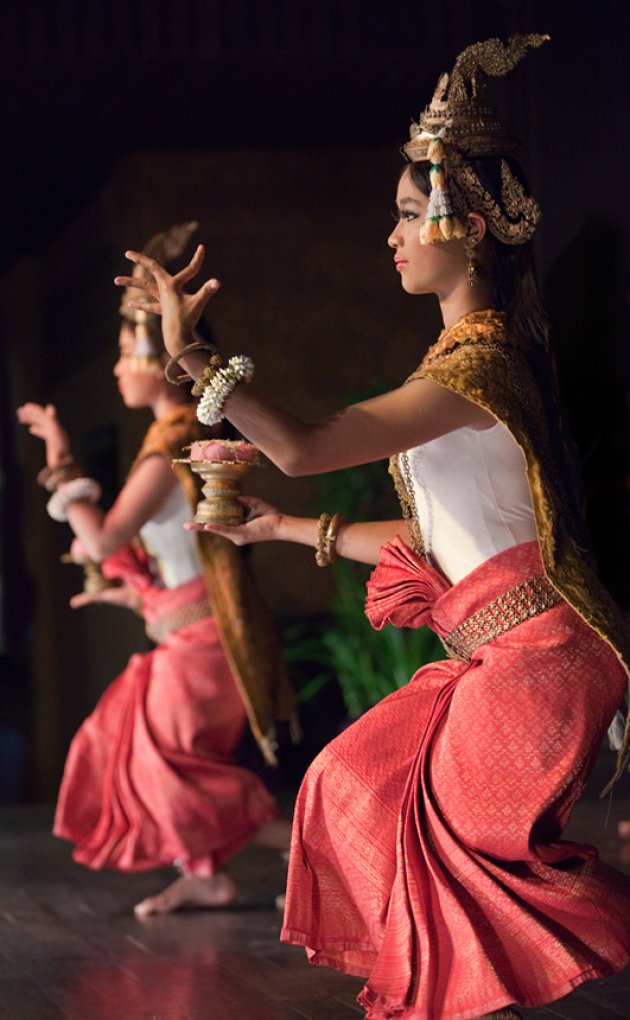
x=458 y=123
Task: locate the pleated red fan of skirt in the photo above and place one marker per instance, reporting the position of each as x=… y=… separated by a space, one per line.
x=150 y=777
x=427 y=853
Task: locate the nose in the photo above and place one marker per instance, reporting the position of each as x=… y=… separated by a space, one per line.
x=117 y=369
x=394 y=238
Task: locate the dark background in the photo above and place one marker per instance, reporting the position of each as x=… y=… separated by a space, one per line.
x=277 y=124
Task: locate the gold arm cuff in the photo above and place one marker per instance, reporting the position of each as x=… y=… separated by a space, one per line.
x=196 y=345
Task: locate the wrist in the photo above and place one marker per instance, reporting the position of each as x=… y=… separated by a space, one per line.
x=176 y=344
x=60 y=458
x=60 y=469
x=282 y=531
x=301 y=530
x=193 y=358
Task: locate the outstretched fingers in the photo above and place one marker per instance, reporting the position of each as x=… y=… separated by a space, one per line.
x=234 y=532
x=190 y=271
x=152 y=266
x=159 y=283
x=138 y=283
x=144 y=305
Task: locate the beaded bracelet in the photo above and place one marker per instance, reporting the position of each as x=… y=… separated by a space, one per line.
x=196 y=345
x=332 y=534
x=238 y=369
x=328 y=528
x=72 y=492
x=207 y=375
x=50 y=477
x=321 y=558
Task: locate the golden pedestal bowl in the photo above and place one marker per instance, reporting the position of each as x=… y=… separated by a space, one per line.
x=221 y=483
x=93 y=580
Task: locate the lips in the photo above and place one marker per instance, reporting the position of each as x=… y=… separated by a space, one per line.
x=400 y=264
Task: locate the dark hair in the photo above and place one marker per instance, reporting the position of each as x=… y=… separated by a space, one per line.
x=511 y=266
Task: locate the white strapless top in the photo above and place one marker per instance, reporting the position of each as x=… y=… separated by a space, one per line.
x=175 y=550
x=472 y=497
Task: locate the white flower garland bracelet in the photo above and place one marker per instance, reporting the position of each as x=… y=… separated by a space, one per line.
x=73 y=491
x=219 y=383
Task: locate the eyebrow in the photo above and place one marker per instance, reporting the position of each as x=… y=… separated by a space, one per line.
x=406 y=201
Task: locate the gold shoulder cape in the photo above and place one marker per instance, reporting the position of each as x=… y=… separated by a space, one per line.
x=480 y=359
x=248 y=632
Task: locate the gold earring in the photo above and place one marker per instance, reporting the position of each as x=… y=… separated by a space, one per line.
x=473 y=267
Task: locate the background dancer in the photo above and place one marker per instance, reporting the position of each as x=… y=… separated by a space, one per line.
x=150 y=779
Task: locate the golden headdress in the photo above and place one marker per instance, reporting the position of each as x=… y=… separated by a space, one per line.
x=165 y=247
x=457 y=124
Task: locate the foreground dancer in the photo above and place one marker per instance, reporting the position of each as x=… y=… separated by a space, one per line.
x=427 y=853
x=150 y=779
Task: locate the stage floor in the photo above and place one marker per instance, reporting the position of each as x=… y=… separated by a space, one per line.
x=71 y=948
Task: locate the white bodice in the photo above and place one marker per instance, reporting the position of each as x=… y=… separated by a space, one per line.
x=471 y=495
x=174 y=549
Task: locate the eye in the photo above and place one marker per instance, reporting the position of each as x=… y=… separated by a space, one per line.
x=407 y=215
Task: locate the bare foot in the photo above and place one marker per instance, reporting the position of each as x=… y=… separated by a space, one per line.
x=189 y=891
x=623 y=829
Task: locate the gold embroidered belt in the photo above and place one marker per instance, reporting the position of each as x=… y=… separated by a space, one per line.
x=180 y=617
x=521 y=603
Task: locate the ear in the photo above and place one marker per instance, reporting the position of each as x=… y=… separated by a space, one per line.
x=476 y=229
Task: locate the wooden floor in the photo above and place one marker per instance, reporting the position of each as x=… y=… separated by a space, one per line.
x=70 y=947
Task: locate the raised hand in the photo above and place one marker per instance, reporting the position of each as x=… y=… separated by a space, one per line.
x=43 y=423
x=261 y=523
x=120 y=595
x=166 y=296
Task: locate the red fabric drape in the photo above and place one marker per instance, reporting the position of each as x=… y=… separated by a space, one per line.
x=426 y=853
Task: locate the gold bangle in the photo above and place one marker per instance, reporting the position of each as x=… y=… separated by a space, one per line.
x=50 y=477
x=321 y=554
x=328 y=528
x=207 y=374
x=196 y=345
x=332 y=534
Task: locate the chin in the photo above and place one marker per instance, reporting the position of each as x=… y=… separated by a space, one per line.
x=129 y=401
x=413 y=287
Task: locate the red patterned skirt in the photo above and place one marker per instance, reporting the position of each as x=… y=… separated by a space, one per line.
x=150 y=778
x=427 y=853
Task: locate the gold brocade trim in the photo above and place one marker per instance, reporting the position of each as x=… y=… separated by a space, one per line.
x=168 y=435
x=482 y=324
x=516 y=605
x=407 y=504
x=180 y=617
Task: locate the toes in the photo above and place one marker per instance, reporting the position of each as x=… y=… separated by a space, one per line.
x=145 y=908
x=189 y=891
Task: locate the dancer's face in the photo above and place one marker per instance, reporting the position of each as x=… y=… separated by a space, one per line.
x=138 y=389
x=423 y=268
